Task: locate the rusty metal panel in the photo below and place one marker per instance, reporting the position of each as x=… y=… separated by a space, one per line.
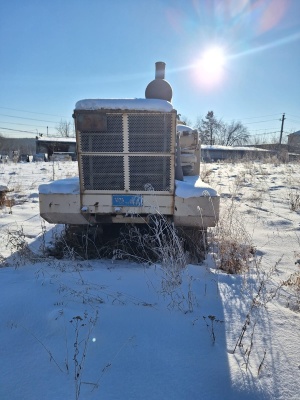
x=91 y=122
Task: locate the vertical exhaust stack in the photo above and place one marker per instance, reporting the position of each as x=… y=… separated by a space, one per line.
x=159 y=88
x=160 y=70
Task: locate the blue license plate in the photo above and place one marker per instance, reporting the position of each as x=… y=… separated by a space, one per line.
x=127 y=200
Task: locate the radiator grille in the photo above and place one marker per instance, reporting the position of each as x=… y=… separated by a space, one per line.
x=149 y=173
x=149 y=133
x=119 y=164
x=103 y=172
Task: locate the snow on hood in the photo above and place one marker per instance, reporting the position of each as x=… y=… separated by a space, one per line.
x=184 y=128
x=193 y=186
x=124 y=104
x=62 y=186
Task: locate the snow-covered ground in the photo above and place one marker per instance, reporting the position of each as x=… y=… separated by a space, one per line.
x=103 y=329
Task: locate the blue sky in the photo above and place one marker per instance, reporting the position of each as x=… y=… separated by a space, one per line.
x=54 y=53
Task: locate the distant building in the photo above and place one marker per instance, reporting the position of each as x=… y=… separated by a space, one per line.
x=294 y=142
x=59 y=145
x=215 y=153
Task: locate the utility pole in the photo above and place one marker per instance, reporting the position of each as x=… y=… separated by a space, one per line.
x=281 y=130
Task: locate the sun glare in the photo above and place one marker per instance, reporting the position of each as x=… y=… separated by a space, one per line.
x=213 y=58
x=211 y=66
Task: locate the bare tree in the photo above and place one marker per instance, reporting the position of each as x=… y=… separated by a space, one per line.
x=260 y=139
x=64 y=129
x=215 y=131
x=256 y=140
x=234 y=133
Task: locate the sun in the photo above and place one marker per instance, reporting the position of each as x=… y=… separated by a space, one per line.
x=213 y=58
x=210 y=68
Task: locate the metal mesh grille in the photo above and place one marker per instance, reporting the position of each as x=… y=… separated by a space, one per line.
x=150 y=133
x=149 y=173
x=110 y=141
x=103 y=172
x=126 y=137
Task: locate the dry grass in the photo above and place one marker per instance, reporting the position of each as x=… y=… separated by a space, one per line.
x=2 y=199
x=205 y=173
x=233 y=247
x=294 y=199
x=292 y=284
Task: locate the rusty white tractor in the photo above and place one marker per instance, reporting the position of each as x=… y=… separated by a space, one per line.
x=136 y=160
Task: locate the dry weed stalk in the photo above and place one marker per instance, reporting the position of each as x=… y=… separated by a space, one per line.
x=81 y=346
x=83 y=327
x=294 y=199
x=211 y=326
x=157 y=242
x=234 y=245
x=261 y=363
x=77 y=243
x=293 y=286
x=3 y=199
x=205 y=173
x=17 y=245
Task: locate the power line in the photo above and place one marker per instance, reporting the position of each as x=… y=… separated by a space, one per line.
x=264 y=129
x=294 y=116
x=266 y=133
x=17 y=130
x=297 y=122
x=32 y=112
x=60 y=116
x=16 y=123
x=31 y=119
x=259 y=122
x=262 y=116
x=270 y=115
